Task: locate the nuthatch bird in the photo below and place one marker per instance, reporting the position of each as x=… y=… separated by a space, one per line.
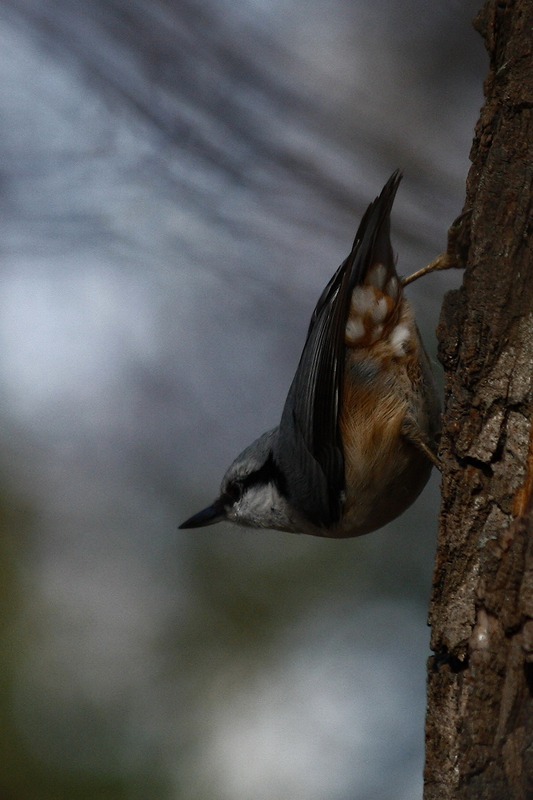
x=354 y=447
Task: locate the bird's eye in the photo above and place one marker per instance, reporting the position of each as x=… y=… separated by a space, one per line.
x=234 y=491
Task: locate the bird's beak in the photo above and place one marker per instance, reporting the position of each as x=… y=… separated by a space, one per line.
x=213 y=513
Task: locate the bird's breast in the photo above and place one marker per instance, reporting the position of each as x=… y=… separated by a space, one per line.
x=382 y=385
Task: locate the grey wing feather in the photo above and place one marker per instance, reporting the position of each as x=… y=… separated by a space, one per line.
x=309 y=447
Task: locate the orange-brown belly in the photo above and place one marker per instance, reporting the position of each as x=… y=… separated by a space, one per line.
x=384 y=472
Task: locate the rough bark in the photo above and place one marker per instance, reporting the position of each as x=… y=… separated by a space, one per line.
x=479 y=728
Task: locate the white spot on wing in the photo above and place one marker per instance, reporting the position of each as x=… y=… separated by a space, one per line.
x=354 y=329
x=377 y=275
x=363 y=300
x=392 y=288
x=380 y=310
x=376 y=333
x=399 y=338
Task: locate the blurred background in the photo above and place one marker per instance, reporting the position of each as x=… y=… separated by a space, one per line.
x=178 y=181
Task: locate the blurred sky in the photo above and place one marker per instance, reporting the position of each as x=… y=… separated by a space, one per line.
x=178 y=181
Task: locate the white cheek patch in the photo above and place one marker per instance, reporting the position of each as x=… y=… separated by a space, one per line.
x=377 y=275
x=399 y=339
x=259 y=507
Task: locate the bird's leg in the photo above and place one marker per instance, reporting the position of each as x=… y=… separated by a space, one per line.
x=428 y=452
x=414 y=436
x=441 y=262
x=456 y=252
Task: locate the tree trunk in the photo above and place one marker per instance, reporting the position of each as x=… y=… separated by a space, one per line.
x=479 y=728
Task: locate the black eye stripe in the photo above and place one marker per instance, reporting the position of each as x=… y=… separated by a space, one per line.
x=268 y=473
x=234 y=491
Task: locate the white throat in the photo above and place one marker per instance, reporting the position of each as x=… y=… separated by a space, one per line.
x=262 y=506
